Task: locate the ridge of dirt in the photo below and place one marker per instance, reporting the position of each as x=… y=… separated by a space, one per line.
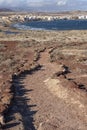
x=12 y=65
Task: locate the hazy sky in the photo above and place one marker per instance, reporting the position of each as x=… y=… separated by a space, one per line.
x=46 y=4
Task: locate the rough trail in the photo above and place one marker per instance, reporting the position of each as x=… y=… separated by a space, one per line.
x=42 y=103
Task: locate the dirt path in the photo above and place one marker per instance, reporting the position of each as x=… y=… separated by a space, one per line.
x=43 y=103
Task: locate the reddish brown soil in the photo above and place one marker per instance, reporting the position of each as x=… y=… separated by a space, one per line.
x=45 y=102
x=12 y=62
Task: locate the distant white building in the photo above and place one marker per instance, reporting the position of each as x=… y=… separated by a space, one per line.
x=50 y=18
x=82 y=17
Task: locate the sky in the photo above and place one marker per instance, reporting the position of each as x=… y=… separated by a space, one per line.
x=46 y=5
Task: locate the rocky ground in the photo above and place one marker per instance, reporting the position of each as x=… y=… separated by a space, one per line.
x=43 y=79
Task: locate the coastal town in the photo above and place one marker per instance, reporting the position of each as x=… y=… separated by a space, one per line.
x=39 y=16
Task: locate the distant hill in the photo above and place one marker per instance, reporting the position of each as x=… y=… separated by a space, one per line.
x=5 y=10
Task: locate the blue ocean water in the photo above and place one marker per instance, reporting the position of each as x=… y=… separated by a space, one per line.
x=53 y=25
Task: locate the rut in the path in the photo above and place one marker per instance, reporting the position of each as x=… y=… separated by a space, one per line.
x=20 y=115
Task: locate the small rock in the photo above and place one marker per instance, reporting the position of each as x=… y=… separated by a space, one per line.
x=47 y=126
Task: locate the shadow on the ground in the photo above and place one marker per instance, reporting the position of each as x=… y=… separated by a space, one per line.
x=20 y=105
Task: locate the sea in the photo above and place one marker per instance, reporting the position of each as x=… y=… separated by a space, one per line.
x=53 y=25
